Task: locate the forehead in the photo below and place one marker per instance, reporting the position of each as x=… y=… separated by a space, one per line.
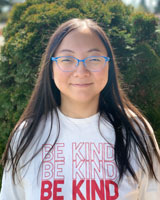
x=81 y=40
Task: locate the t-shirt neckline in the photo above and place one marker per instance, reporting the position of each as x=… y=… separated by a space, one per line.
x=90 y=119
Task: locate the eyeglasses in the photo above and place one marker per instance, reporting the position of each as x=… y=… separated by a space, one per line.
x=91 y=63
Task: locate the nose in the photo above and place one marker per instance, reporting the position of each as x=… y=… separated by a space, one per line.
x=81 y=70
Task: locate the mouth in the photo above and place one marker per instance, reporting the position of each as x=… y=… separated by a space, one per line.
x=81 y=84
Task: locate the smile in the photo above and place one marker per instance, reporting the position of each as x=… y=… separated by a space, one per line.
x=82 y=85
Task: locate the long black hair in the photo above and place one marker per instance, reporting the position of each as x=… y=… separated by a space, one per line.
x=129 y=124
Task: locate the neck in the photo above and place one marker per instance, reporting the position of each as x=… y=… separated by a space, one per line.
x=79 y=110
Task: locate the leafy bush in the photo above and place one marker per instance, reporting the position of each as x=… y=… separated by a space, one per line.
x=143 y=72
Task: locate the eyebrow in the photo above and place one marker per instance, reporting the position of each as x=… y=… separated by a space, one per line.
x=91 y=50
x=95 y=49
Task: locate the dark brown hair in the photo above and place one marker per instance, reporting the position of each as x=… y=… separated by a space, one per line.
x=130 y=129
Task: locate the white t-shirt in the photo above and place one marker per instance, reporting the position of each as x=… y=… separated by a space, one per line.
x=81 y=166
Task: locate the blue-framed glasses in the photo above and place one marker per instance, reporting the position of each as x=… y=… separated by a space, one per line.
x=70 y=63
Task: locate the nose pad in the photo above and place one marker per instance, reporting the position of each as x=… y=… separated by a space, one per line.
x=81 y=64
x=81 y=69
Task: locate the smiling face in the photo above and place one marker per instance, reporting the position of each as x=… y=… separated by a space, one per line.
x=81 y=85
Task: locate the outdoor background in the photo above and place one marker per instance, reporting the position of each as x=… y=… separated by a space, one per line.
x=133 y=27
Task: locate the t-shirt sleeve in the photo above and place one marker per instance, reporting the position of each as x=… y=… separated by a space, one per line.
x=150 y=188
x=9 y=190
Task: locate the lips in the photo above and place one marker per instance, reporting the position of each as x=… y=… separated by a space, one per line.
x=81 y=84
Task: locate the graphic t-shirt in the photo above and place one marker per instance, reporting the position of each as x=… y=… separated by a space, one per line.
x=80 y=166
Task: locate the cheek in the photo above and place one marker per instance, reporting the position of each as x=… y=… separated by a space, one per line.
x=60 y=78
x=102 y=78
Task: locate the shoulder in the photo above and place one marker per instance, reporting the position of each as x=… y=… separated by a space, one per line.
x=141 y=121
x=143 y=124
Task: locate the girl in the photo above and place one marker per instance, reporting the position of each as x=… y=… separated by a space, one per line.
x=80 y=137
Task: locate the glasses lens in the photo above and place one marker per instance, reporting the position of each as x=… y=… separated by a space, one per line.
x=95 y=63
x=67 y=63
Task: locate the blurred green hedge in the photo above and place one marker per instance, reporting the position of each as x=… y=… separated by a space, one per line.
x=133 y=36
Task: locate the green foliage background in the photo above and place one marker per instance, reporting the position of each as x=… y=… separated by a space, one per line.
x=133 y=36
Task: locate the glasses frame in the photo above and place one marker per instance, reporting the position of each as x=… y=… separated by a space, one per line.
x=55 y=59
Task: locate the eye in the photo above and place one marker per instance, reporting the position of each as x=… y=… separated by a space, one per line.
x=94 y=59
x=66 y=60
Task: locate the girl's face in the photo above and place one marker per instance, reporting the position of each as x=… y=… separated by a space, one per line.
x=81 y=85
